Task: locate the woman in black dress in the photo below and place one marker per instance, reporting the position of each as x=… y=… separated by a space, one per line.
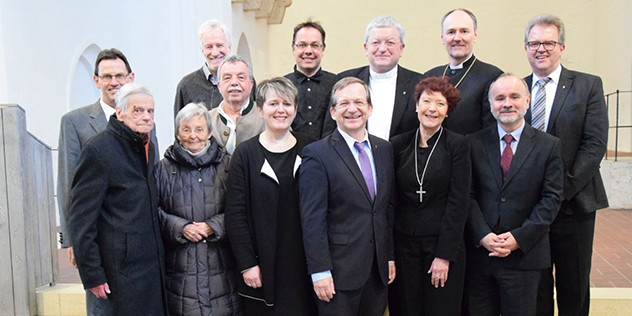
x=262 y=209
x=432 y=168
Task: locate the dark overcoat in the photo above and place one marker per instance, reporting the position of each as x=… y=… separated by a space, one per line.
x=114 y=223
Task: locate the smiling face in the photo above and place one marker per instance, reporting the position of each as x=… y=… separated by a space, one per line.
x=111 y=68
x=139 y=116
x=214 y=48
x=308 y=59
x=383 y=48
x=235 y=84
x=458 y=36
x=194 y=133
x=352 y=110
x=432 y=108
x=277 y=113
x=509 y=100
x=544 y=62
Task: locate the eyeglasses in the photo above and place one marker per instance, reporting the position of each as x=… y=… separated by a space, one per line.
x=535 y=45
x=189 y=131
x=314 y=46
x=119 y=77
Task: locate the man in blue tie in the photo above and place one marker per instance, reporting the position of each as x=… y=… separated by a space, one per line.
x=345 y=182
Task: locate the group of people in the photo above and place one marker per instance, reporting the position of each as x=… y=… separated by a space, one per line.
x=451 y=193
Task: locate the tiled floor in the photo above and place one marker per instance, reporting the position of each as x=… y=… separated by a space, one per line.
x=612 y=252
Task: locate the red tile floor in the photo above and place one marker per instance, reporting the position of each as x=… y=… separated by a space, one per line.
x=612 y=252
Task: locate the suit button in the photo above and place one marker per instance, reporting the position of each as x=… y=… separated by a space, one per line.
x=503 y=200
x=309 y=107
x=310 y=123
x=203 y=241
x=374 y=213
x=226 y=133
x=371 y=240
x=200 y=180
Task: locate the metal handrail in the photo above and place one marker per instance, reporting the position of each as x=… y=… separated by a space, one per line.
x=616 y=126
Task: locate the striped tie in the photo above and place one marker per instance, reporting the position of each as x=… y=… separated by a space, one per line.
x=539 y=106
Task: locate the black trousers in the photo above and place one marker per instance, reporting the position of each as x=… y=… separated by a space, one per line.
x=571 y=239
x=496 y=290
x=369 y=300
x=412 y=293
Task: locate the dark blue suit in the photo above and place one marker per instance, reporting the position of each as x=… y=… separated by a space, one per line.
x=343 y=229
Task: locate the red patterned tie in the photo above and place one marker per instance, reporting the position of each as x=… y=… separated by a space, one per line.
x=507 y=156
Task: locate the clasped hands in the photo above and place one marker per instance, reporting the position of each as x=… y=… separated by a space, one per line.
x=195 y=232
x=500 y=245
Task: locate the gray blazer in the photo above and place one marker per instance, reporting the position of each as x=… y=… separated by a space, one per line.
x=77 y=127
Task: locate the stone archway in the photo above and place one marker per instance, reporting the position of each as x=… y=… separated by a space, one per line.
x=82 y=89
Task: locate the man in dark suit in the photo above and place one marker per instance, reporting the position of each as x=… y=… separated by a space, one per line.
x=517 y=176
x=111 y=72
x=345 y=183
x=313 y=83
x=571 y=107
x=468 y=74
x=392 y=86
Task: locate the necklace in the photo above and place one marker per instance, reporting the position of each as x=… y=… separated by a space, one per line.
x=423 y=174
x=468 y=70
x=277 y=142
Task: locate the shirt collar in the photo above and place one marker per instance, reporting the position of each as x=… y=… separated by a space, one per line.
x=351 y=141
x=107 y=110
x=208 y=73
x=555 y=76
x=516 y=134
x=302 y=77
x=460 y=66
x=387 y=75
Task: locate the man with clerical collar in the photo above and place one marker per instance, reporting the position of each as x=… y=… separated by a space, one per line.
x=517 y=180
x=234 y=120
x=468 y=74
x=200 y=86
x=569 y=105
x=392 y=86
x=313 y=83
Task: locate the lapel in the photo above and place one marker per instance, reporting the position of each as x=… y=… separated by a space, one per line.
x=525 y=146
x=364 y=74
x=340 y=146
x=267 y=170
x=401 y=98
x=378 y=159
x=97 y=117
x=566 y=81
x=529 y=80
x=492 y=148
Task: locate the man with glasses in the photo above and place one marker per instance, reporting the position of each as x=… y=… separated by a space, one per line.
x=392 y=86
x=111 y=72
x=468 y=74
x=313 y=83
x=569 y=105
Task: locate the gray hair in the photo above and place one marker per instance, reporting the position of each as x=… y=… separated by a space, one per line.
x=212 y=25
x=233 y=59
x=191 y=110
x=280 y=86
x=464 y=10
x=343 y=83
x=385 y=21
x=546 y=19
x=504 y=75
x=122 y=96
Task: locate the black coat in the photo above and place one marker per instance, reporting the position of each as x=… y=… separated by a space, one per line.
x=251 y=209
x=114 y=222
x=202 y=276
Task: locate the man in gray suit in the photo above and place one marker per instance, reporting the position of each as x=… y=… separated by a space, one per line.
x=111 y=72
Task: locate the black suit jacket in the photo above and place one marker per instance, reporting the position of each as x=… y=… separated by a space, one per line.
x=525 y=204
x=404 y=116
x=579 y=118
x=343 y=230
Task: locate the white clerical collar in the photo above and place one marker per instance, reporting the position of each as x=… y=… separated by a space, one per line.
x=387 y=75
x=107 y=110
x=460 y=66
x=555 y=76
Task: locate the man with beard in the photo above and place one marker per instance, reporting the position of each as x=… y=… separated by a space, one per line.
x=517 y=177
x=468 y=74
